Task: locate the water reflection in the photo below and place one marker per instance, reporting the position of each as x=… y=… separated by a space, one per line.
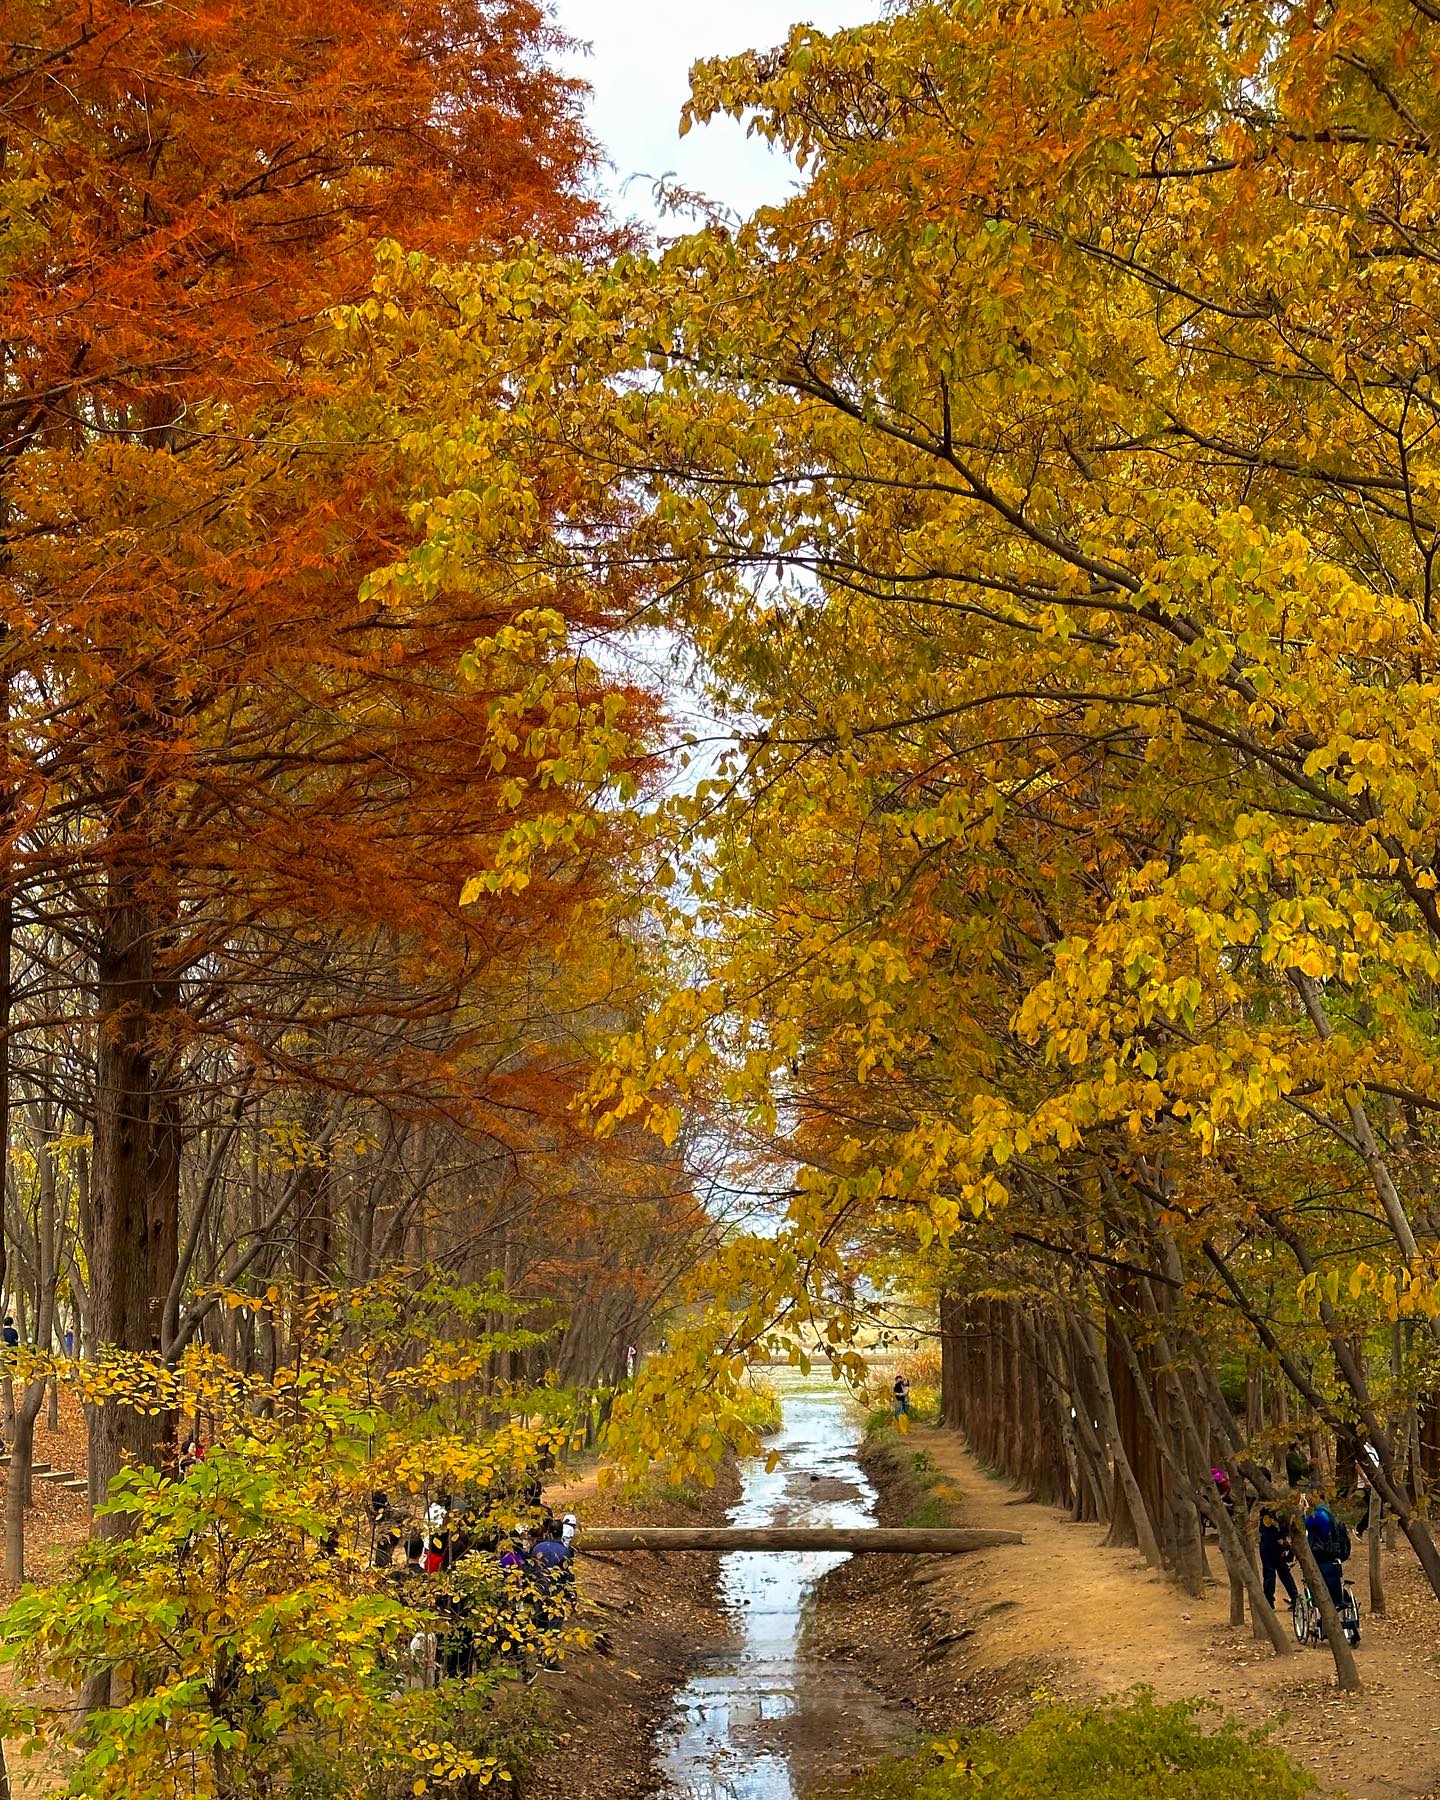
x=740 y=1726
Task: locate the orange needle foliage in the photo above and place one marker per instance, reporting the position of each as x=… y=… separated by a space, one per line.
x=244 y=790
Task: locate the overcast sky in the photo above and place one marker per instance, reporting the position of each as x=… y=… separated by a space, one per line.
x=641 y=52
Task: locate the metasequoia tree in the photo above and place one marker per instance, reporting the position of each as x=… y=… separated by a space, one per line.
x=244 y=790
x=1053 y=480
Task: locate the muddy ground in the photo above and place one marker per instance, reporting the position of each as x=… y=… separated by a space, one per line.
x=653 y=1616
x=893 y=1621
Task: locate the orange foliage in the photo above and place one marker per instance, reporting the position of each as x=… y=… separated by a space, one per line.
x=242 y=791
x=209 y=177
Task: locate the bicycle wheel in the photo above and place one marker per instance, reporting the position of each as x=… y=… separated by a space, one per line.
x=1300 y=1617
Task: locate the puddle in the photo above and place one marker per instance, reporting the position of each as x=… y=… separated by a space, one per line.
x=754 y=1717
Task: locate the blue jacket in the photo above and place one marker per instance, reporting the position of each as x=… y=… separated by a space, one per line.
x=550 y=1555
x=1320 y=1529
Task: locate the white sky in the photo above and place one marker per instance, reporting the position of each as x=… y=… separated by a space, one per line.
x=639 y=70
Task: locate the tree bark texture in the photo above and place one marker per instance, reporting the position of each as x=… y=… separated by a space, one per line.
x=134 y=1203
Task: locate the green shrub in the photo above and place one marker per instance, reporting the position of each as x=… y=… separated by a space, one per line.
x=1126 y=1749
x=513 y=1724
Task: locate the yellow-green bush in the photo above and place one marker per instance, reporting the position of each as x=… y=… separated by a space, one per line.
x=757 y=1406
x=921 y=1368
x=1125 y=1749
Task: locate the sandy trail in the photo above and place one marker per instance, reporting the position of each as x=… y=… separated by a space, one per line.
x=1098 y=1622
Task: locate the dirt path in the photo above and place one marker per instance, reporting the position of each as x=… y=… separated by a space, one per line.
x=1097 y=1621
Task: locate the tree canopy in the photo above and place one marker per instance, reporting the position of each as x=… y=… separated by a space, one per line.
x=1050 y=481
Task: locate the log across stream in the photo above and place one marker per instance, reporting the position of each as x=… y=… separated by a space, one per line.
x=792 y=1539
x=757 y=1717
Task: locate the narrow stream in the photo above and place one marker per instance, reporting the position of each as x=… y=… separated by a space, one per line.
x=756 y=1716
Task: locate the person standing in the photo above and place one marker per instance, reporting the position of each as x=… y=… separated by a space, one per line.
x=902 y=1397
x=514 y=1562
x=1368 y=1464
x=554 y=1576
x=1275 y=1552
x=1330 y=1543
x=385 y=1539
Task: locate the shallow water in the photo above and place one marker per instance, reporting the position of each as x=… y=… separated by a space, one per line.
x=756 y=1716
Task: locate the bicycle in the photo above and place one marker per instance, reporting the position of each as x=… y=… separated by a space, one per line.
x=1305 y=1617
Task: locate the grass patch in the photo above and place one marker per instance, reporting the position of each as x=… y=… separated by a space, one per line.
x=757 y=1406
x=1127 y=1747
x=919 y=1494
x=640 y=1500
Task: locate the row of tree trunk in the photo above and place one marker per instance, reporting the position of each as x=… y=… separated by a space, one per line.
x=1105 y=1418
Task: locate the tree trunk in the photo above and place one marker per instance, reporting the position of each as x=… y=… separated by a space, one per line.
x=1135 y=1510
x=22 y=1451
x=1392 y=1491
x=1346 y=1672
x=17 y=1485
x=134 y=1202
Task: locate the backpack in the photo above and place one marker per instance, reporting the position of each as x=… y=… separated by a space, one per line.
x=1335 y=1546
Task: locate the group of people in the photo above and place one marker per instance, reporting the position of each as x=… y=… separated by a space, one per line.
x=536 y=1574
x=1326 y=1534
x=540 y=1571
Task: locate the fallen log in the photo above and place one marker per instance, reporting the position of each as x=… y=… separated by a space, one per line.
x=944 y=1541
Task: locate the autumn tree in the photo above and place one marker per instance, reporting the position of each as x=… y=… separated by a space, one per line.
x=1051 y=479
x=245 y=789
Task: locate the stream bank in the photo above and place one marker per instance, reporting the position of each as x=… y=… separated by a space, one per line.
x=762 y=1718
x=651 y=1616
x=1065 y=1612
x=754 y=1675
x=895 y=1618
